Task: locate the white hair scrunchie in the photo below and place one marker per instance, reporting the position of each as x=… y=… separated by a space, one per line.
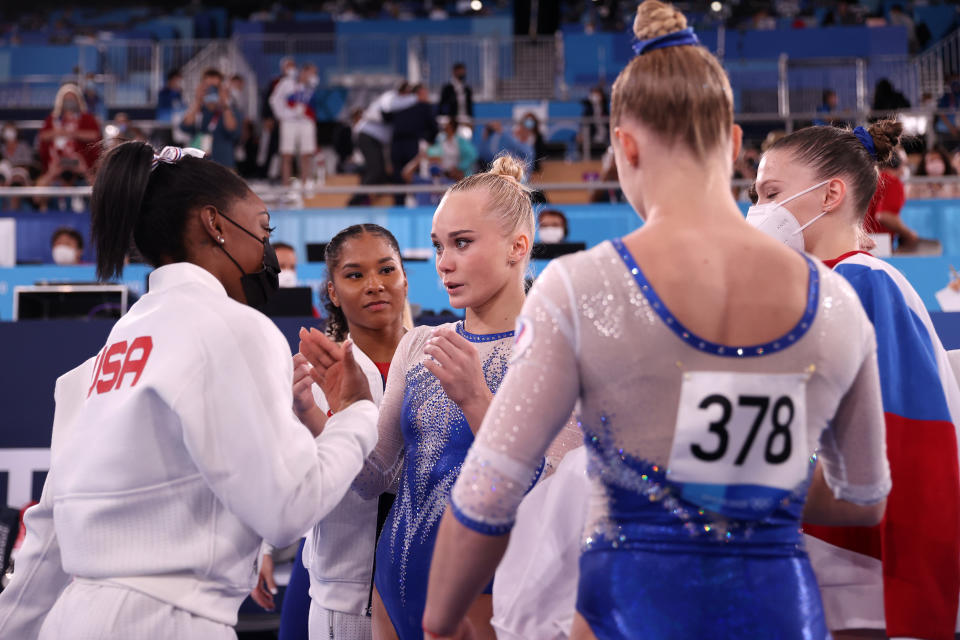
x=173 y=155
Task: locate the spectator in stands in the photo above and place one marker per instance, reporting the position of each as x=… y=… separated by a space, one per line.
x=14 y=150
x=456 y=97
x=374 y=134
x=170 y=97
x=883 y=214
x=596 y=110
x=248 y=150
x=898 y=18
x=427 y=169
x=411 y=126
x=292 y=105
x=287 y=259
x=886 y=98
x=946 y=125
x=349 y=158
x=608 y=173
x=745 y=168
x=828 y=105
x=763 y=21
x=66 y=246
x=122 y=130
x=552 y=226
x=458 y=156
x=844 y=15
x=935 y=164
x=237 y=85
x=519 y=143
x=92 y=97
x=15 y=177
x=211 y=121
x=70 y=135
x=530 y=130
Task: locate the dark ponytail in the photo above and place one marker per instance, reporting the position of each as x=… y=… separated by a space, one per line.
x=832 y=151
x=337 y=327
x=132 y=206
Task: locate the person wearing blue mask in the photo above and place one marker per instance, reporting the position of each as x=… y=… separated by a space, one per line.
x=212 y=121
x=902 y=577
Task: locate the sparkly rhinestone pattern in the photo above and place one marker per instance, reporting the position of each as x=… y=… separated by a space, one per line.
x=810 y=312
x=436 y=440
x=638 y=491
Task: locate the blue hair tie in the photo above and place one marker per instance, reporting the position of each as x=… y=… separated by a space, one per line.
x=866 y=140
x=675 y=39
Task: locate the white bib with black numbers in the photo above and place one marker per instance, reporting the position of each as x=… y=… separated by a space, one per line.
x=740 y=444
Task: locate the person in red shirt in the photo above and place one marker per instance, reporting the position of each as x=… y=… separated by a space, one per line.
x=70 y=136
x=883 y=216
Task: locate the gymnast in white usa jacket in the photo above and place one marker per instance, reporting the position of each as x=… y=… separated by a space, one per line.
x=176 y=449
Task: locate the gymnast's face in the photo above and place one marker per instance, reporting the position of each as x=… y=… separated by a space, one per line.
x=473 y=255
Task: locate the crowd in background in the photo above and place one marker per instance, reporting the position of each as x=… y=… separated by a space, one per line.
x=402 y=136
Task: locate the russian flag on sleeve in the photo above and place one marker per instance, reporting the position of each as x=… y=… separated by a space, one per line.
x=918 y=541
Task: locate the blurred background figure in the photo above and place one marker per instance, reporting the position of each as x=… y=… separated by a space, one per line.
x=934 y=164
x=456 y=97
x=596 y=110
x=287 y=257
x=552 y=226
x=210 y=121
x=292 y=105
x=14 y=150
x=411 y=126
x=883 y=215
x=70 y=136
x=66 y=246
x=458 y=156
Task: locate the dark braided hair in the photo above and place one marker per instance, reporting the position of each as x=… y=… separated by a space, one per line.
x=337 y=327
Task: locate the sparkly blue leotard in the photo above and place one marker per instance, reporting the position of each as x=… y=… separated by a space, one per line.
x=436 y=440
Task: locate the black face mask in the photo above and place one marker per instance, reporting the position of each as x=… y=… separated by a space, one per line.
x=258 y=287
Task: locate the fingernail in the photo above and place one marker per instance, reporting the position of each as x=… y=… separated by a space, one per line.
x=274 y=591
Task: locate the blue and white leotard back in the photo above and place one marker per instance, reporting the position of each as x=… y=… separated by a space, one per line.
x=699 y=453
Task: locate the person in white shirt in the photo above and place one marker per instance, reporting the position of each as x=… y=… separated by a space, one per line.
x=291 y=104
x=374 y=133
x=181 y=450
x=365 y=303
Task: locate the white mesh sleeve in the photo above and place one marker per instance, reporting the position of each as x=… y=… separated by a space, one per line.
x=531 y=407
x=853 y=449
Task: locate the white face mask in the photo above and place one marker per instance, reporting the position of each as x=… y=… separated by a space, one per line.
x=62 y=254
x=551 y=235
x=288 y=278
x=776 y=221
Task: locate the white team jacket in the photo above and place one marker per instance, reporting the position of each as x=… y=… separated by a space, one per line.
x=338 y=553
x=174 y=453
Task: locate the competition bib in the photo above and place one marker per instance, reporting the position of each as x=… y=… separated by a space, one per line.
x=740 y=444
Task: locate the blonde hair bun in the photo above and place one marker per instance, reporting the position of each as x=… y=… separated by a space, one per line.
x=509 y=167
x=655 y=19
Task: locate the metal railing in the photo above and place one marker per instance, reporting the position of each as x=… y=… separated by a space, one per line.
x=278 y=191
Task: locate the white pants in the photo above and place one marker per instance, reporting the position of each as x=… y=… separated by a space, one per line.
x=298 y=134
x=336 y=625
x=99 y=611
